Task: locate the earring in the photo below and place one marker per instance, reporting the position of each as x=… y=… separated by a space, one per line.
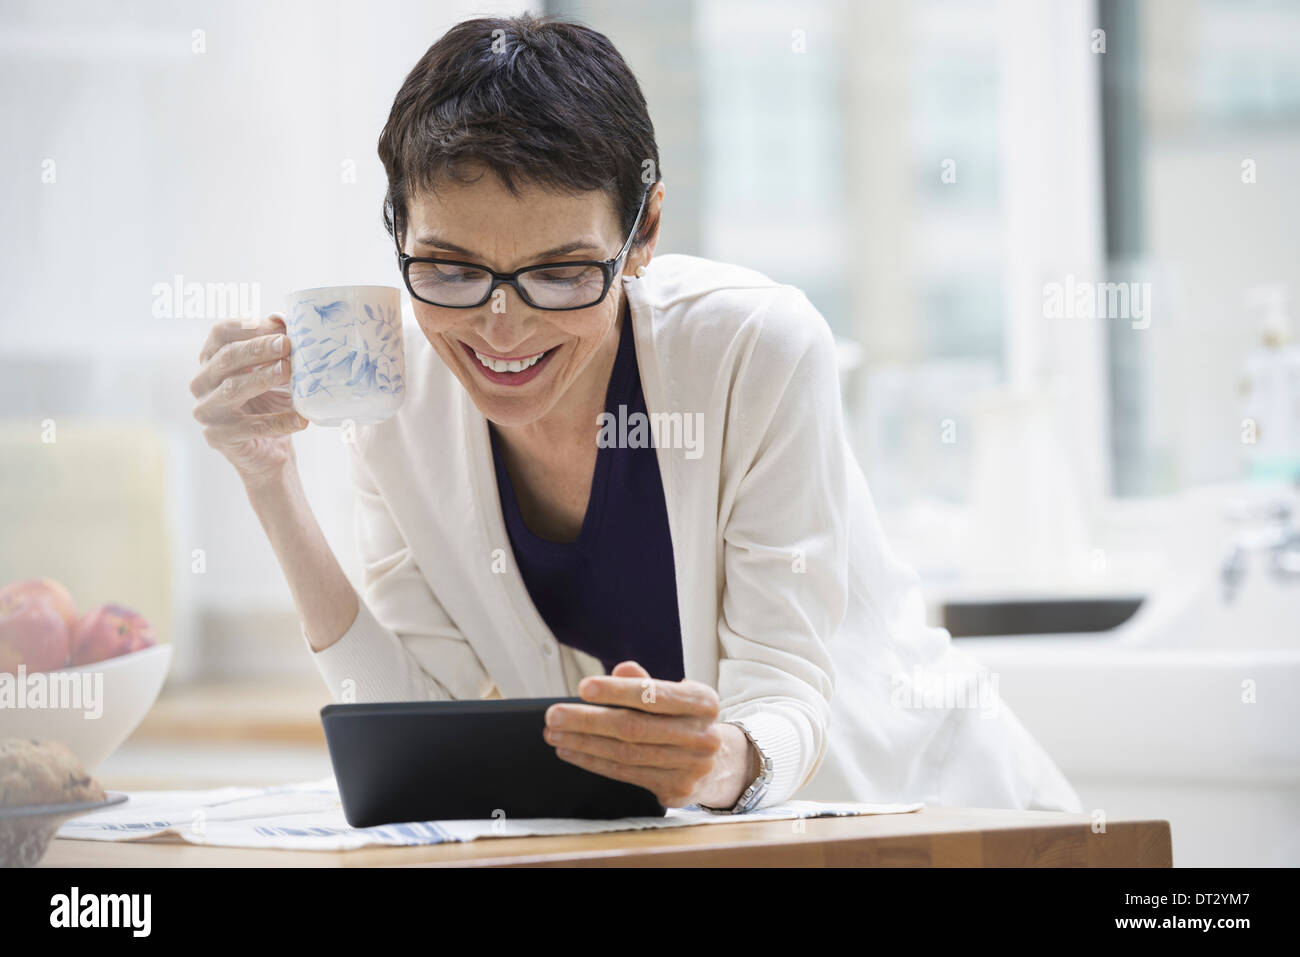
x=640 y=271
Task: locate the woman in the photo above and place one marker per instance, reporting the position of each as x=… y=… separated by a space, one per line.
x=615 y=476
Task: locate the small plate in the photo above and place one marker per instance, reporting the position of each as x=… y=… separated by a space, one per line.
x=26 y=829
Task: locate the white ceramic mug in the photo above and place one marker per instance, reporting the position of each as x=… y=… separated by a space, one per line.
x=347 y=360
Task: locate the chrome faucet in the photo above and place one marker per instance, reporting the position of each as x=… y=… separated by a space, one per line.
x=1280 y=540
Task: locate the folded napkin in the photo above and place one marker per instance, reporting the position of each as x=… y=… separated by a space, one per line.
x=309 y=816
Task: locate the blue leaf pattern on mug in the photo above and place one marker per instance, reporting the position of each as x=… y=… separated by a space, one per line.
x=331 y=310
x=345 y=361
x=344 y=354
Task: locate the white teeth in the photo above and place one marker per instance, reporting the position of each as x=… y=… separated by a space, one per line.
x=512 y=365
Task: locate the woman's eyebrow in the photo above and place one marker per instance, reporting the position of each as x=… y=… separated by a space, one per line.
x=578 y=245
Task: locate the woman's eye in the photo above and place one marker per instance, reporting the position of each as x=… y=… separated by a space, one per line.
x=571 y=276
x=456 y=274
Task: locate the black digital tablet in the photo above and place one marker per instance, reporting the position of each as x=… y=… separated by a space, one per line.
x=397 y=762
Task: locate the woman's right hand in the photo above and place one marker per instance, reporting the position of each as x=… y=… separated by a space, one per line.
x=243 y=420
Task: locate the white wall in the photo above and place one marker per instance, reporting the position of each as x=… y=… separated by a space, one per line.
x=219 y=166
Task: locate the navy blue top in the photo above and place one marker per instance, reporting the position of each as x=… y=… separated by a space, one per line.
x=613 y=592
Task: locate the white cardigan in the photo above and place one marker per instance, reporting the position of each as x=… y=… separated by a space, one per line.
x=791 y=604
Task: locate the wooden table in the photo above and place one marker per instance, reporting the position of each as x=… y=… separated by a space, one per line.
x=931 y=837
x=238 y=713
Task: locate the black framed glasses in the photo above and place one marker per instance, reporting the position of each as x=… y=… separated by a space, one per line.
x=452 y=284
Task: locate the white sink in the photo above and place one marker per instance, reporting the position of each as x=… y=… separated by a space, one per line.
x=1188 y=711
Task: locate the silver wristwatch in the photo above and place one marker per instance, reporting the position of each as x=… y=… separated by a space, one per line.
x=754 y=793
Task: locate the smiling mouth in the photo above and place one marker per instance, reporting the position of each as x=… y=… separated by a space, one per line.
x=509 y=365
x=513 y=371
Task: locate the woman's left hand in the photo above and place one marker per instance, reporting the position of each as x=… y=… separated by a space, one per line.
x=672 y=744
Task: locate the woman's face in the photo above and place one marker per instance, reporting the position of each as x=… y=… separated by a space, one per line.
x=483 y=223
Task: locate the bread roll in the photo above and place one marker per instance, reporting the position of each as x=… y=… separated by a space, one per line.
x=43 y=772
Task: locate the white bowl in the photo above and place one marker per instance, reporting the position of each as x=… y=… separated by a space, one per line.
x=121 y=690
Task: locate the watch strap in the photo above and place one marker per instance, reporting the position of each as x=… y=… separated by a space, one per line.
x=753 y=794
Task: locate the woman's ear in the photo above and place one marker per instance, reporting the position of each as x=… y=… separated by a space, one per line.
x=640 y=255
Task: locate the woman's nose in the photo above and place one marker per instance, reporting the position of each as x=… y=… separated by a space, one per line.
x=507 y=325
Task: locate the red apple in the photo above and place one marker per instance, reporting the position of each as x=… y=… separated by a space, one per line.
x=51 y=589
x=32 y=633
x=109 y=630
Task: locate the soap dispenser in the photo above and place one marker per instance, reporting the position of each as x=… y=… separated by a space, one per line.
x=1270 y=428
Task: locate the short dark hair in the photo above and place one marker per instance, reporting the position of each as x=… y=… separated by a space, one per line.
x=537 y=100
